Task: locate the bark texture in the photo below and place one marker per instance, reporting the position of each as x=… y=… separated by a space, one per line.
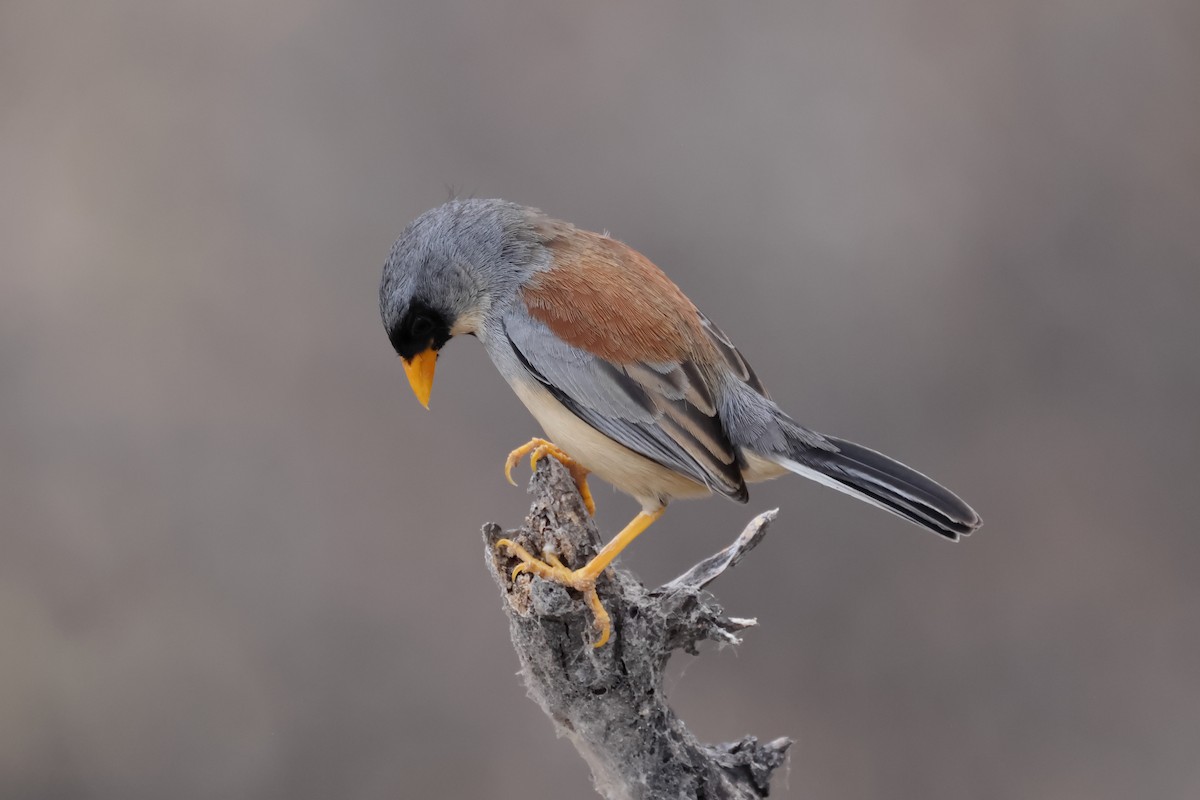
x=609 y=701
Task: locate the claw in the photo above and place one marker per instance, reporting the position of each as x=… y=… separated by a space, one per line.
x=511 y=462
x=551 y=568
x=537 y=449
x=601 y=621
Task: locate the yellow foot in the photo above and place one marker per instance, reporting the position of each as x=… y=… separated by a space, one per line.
x=551 y=569
x=540 y=448
x=584 y=578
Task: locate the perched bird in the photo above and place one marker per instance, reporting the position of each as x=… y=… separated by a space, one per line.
x=625 y=375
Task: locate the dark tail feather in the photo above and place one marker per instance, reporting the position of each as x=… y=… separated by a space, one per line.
x=884 y=482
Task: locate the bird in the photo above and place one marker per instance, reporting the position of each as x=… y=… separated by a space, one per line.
x=628 y=379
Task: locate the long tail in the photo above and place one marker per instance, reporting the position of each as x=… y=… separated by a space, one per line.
x=884 y=482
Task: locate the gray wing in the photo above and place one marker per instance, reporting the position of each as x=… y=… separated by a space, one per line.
x=764 y=425
x=664 y=412
x=732 y=357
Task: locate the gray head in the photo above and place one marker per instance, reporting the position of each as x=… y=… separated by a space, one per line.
x=448 y=268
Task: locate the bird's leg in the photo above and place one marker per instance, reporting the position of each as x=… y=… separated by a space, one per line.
x=539 y=449
x=584 y=578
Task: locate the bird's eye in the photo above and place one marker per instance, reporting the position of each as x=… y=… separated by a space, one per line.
x=421 y=326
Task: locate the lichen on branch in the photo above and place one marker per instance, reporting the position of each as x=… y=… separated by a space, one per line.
x=609 y=701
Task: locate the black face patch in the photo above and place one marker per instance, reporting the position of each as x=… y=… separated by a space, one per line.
x=421 y=328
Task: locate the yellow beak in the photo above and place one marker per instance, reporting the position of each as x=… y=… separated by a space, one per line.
x=420 y=374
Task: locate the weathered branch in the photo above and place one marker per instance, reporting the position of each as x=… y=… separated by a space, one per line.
x=609 y=701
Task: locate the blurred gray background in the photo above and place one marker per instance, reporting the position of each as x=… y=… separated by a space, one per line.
x=240 y=561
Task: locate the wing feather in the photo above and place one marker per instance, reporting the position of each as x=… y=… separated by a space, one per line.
x=662 y=411
x=739 y=365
